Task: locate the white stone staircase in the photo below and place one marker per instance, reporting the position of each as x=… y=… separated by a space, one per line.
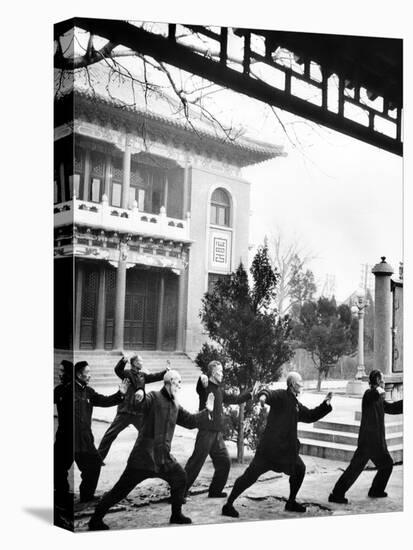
x=102 y=365
x=338 y=440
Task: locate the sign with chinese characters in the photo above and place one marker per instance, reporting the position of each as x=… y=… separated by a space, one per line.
x=220 y=251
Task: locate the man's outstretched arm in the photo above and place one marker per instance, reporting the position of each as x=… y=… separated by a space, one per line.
x=393 y=408
x=99 y=400
x=312 y=415
x=194 y=420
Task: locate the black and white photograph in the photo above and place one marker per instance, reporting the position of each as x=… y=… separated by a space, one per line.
x=209 y=302
x=228 y=274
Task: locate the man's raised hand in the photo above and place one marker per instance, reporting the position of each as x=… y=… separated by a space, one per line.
x=139 y=395
x=328 y=397
x=204 y=380
x=124 y=385
x=168 y=365
x=210 y=402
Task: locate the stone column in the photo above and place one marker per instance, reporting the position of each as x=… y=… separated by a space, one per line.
x=161 y=293
x=382 y=316
x=126 y=174
x=78 y=303
x=101 y=309
x=360 y=352
x=108 y=175
x=120 y=301
x=186 y=190
x=182 y=286
x=165 y=193
x=86 y=176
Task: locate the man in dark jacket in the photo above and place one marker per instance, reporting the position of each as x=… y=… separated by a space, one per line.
x=371 y=442
x=278 y=447
x=151 y=455
x=86 y=455
x=127 y=413
x=63 y=446
x=209 y=440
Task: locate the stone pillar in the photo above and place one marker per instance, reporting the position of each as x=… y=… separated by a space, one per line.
x=360 y=352
x=126 y=174
x=108 y=175
x=180 y=327
x=101 y=309
x=120 y=301
x=161 y=293
x=165 y=193
x=86 y=176
x=382 y=316
x=78 y=303
x=185 y=198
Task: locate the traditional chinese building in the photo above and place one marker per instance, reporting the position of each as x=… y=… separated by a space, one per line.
x=148 y=213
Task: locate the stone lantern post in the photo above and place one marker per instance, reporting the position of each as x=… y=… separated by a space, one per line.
x=382 y=316
x=359 y=385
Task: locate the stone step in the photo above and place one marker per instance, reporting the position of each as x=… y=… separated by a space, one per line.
x=102 y=364
x=342 y=437
x=343 y=452
x=353 y=426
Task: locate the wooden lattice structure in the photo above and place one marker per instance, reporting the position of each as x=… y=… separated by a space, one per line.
x=357 y=70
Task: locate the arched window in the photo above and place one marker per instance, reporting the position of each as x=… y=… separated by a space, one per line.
x=220 y=208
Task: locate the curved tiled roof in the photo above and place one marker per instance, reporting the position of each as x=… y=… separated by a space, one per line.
x=158 y=108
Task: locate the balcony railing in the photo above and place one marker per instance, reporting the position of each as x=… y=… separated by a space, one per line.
x=102 y=215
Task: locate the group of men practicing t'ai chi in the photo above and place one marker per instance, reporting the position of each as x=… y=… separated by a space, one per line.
x=155 y=415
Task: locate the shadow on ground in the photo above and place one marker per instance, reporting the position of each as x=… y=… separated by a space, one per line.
x=45 y=514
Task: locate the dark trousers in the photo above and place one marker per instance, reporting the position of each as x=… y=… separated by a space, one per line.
x=89 y=465
x=259 y=467
x=175 y=477
x=63 y=459
x=120 y=422
x=209 y=443
x=382 y=460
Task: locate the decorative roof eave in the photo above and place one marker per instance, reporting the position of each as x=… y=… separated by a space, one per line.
x=242 y=152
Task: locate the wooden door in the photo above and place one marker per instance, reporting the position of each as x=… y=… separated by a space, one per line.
x=89 y=306
x=140 y=310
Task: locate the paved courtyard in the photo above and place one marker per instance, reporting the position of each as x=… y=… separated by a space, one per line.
x=147 y=506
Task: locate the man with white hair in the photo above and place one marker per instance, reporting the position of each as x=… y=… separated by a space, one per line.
x=278 y=447
x=151 y=454
x=127 y=414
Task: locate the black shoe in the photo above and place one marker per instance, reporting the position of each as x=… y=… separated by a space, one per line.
x=179 y=518
x=294 y=506
x=96 y=524
x=217 y=495
x=229 y=510
x=337 y=498
x=372 y=494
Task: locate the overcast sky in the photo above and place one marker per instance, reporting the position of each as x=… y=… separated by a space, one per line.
x=340 y=199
